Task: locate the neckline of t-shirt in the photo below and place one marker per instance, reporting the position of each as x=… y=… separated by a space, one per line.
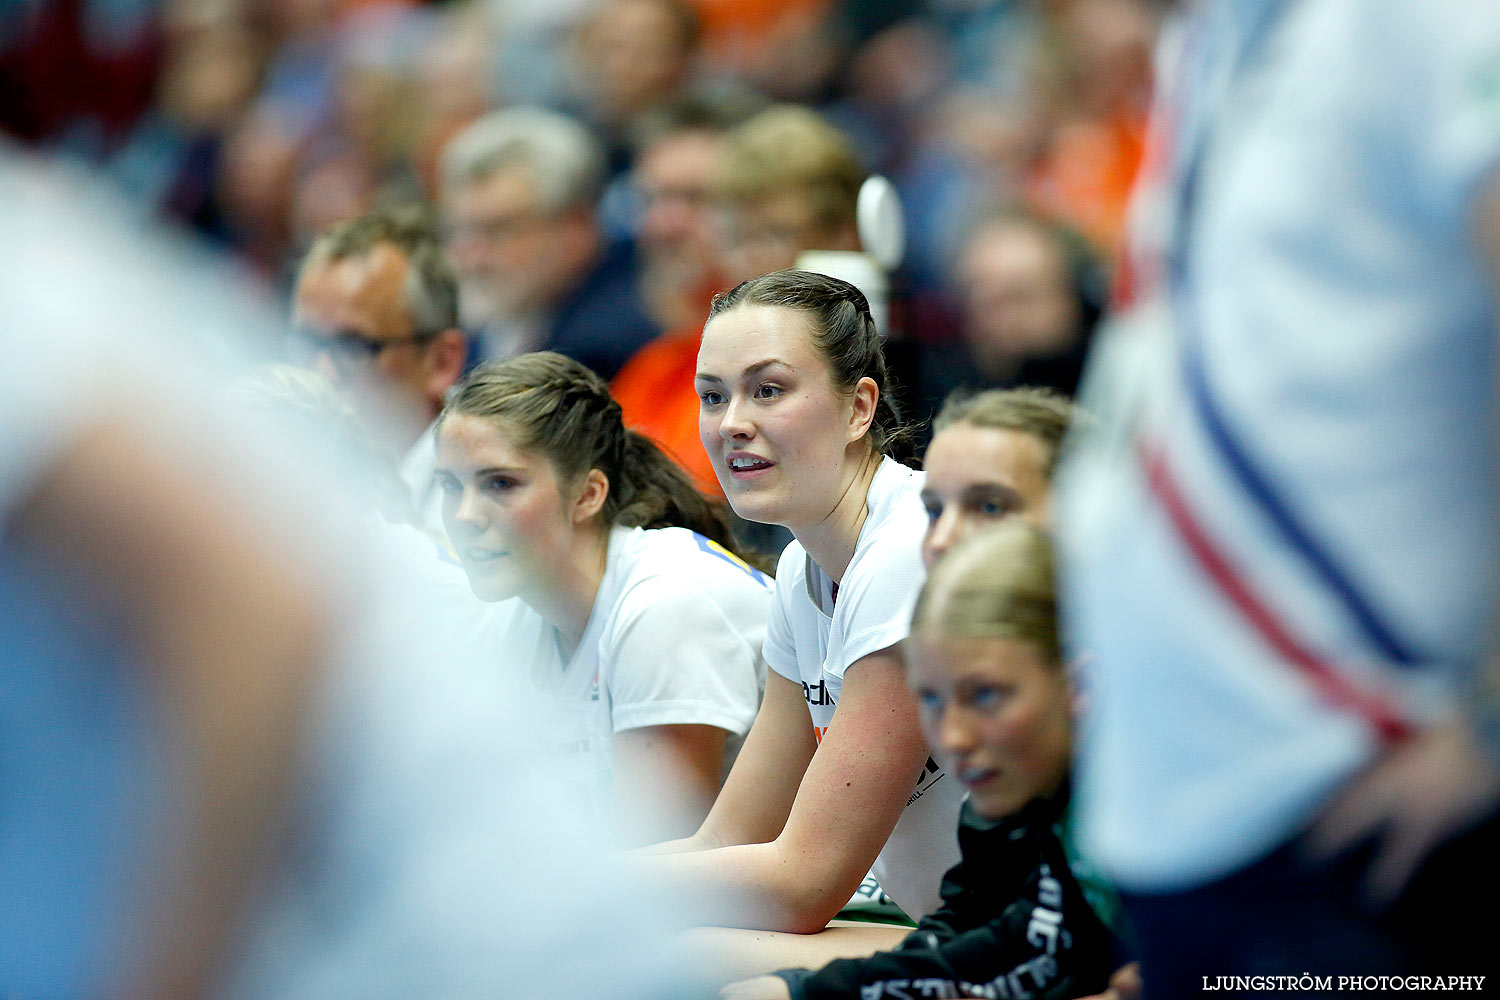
x=820 y=585
x=606 y=596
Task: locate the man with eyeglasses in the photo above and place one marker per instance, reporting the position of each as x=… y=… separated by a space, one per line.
x=376 y=312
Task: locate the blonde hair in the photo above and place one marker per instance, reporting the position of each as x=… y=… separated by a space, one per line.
x=790 y=148
x=1000 y=584
x=1043 y=413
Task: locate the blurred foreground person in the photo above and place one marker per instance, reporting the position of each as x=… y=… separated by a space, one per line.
x=1281 y=545
x=177 y=592
x=159 y=638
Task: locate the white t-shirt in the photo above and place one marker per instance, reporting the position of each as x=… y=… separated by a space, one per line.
x=1309 y=355
x=812 y=639
x=674 y=639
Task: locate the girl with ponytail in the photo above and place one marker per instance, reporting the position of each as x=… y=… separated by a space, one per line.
x=835 y=781
x=548 y=497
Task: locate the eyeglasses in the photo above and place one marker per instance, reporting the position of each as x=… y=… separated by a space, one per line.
x=493 y=228
x=346 y=348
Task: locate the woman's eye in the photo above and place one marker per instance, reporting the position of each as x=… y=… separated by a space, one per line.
x=767 y=391
x=500 y=484
x=987 y=698
x=993 y=504
x=449 y=485
x=934 y=510
x=929 y=701
x=711 y=397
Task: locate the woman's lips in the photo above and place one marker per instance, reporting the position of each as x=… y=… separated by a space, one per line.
x=744 y=465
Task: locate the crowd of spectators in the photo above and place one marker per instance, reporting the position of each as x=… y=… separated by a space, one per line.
x=590 y=161
x=611 y=299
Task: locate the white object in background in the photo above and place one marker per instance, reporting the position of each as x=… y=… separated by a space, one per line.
x=882 y=227
x=860 y=270
x=882 y=233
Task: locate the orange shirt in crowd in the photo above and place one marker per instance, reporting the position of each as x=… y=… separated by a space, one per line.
x=1087 y=176
x=656 y=395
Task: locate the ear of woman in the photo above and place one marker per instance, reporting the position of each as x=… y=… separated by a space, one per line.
x=593 y=492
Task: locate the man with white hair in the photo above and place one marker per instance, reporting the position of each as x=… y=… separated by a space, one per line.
x=520 y=195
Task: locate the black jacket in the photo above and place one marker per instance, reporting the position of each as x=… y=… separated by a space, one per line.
x=1016 y=923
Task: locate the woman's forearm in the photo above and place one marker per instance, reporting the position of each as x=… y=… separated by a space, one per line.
x=762 y=886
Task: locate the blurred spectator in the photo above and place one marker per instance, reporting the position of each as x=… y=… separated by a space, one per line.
x=784 y=48
x=1098 y=84
x=1031 y=294
x=172 y=158
x=453 y=79
x=681 y=153
x=257 y=176
x=531 y=46
x=376 y=312
x=632 y=57
x=789 y=182
x=77 y=73
x=679 y=276
x=520 y=201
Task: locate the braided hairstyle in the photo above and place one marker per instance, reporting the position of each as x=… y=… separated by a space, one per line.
x=844 y=333
x=561 y=409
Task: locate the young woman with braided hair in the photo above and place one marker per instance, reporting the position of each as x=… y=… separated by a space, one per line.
x=658 y=626
x=834 y=780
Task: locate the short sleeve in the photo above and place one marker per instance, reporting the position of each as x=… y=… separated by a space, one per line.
x=879 y=591
x=676 y=657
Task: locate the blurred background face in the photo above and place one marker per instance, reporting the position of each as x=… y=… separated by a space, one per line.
x=977 y=476
x=768 y=233
x=632 y=54
x=678 y=235
x=1019 y=298
x=996 y=715
x=504 y=508
x=352 y=319
x=506 y=251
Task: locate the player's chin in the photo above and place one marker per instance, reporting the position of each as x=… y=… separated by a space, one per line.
x=753 y=505
x=490 y=585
